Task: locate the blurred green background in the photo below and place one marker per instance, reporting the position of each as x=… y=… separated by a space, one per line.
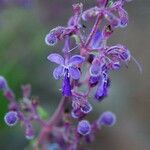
x=23 y=26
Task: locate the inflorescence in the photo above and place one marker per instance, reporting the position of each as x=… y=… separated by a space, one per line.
x=85 y=60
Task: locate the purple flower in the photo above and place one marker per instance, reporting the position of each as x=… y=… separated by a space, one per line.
x=11 y=118
x=3 y=83
x=66 y=66
x=84 y=127
x=107 y=118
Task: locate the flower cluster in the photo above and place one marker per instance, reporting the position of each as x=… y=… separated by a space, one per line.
x=85 y=60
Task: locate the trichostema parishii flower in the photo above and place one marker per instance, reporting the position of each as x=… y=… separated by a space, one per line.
x=107 y=118
x=100 y=58
x=68 y=67
x=11 y=118
x=84 y=127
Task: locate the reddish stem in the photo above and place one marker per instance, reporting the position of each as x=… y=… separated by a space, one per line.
x=94 y=29
x=54 y=120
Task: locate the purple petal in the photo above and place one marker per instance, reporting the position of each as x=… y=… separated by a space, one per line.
x=97 y=40
x=93 y=81
x=58 y=72
x=76 y=59
x=66 y=87
x=95 y=70
x=56 y=58
x=102 y=89
x=74 y=73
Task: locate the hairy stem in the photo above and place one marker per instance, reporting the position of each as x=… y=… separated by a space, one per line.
x=53 y=120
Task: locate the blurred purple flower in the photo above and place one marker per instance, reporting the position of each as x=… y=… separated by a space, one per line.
x=84 y=127
x=11 y=118
x=107 y=118
x=3 y=83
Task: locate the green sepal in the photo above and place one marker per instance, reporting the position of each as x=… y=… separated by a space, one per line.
x=43 y=114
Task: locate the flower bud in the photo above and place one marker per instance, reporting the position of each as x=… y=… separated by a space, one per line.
x=51 y=39
x=116 y=65
x=26 y=89
x=93 y=81
x=11 y=118
x=77 y=113
x=77 y=8
x=86 y=108
x=107 y=119
x=123 y=17
x=3 y=83
x=9 y=94
x=84 y=127
x=125 y=55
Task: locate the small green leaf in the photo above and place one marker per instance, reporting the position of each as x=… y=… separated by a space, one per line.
x=43 y=114
x=110 y=3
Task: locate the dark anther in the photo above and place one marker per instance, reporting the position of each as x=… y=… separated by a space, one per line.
x=84 y=26
x=67 y=110
x=90 y=58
